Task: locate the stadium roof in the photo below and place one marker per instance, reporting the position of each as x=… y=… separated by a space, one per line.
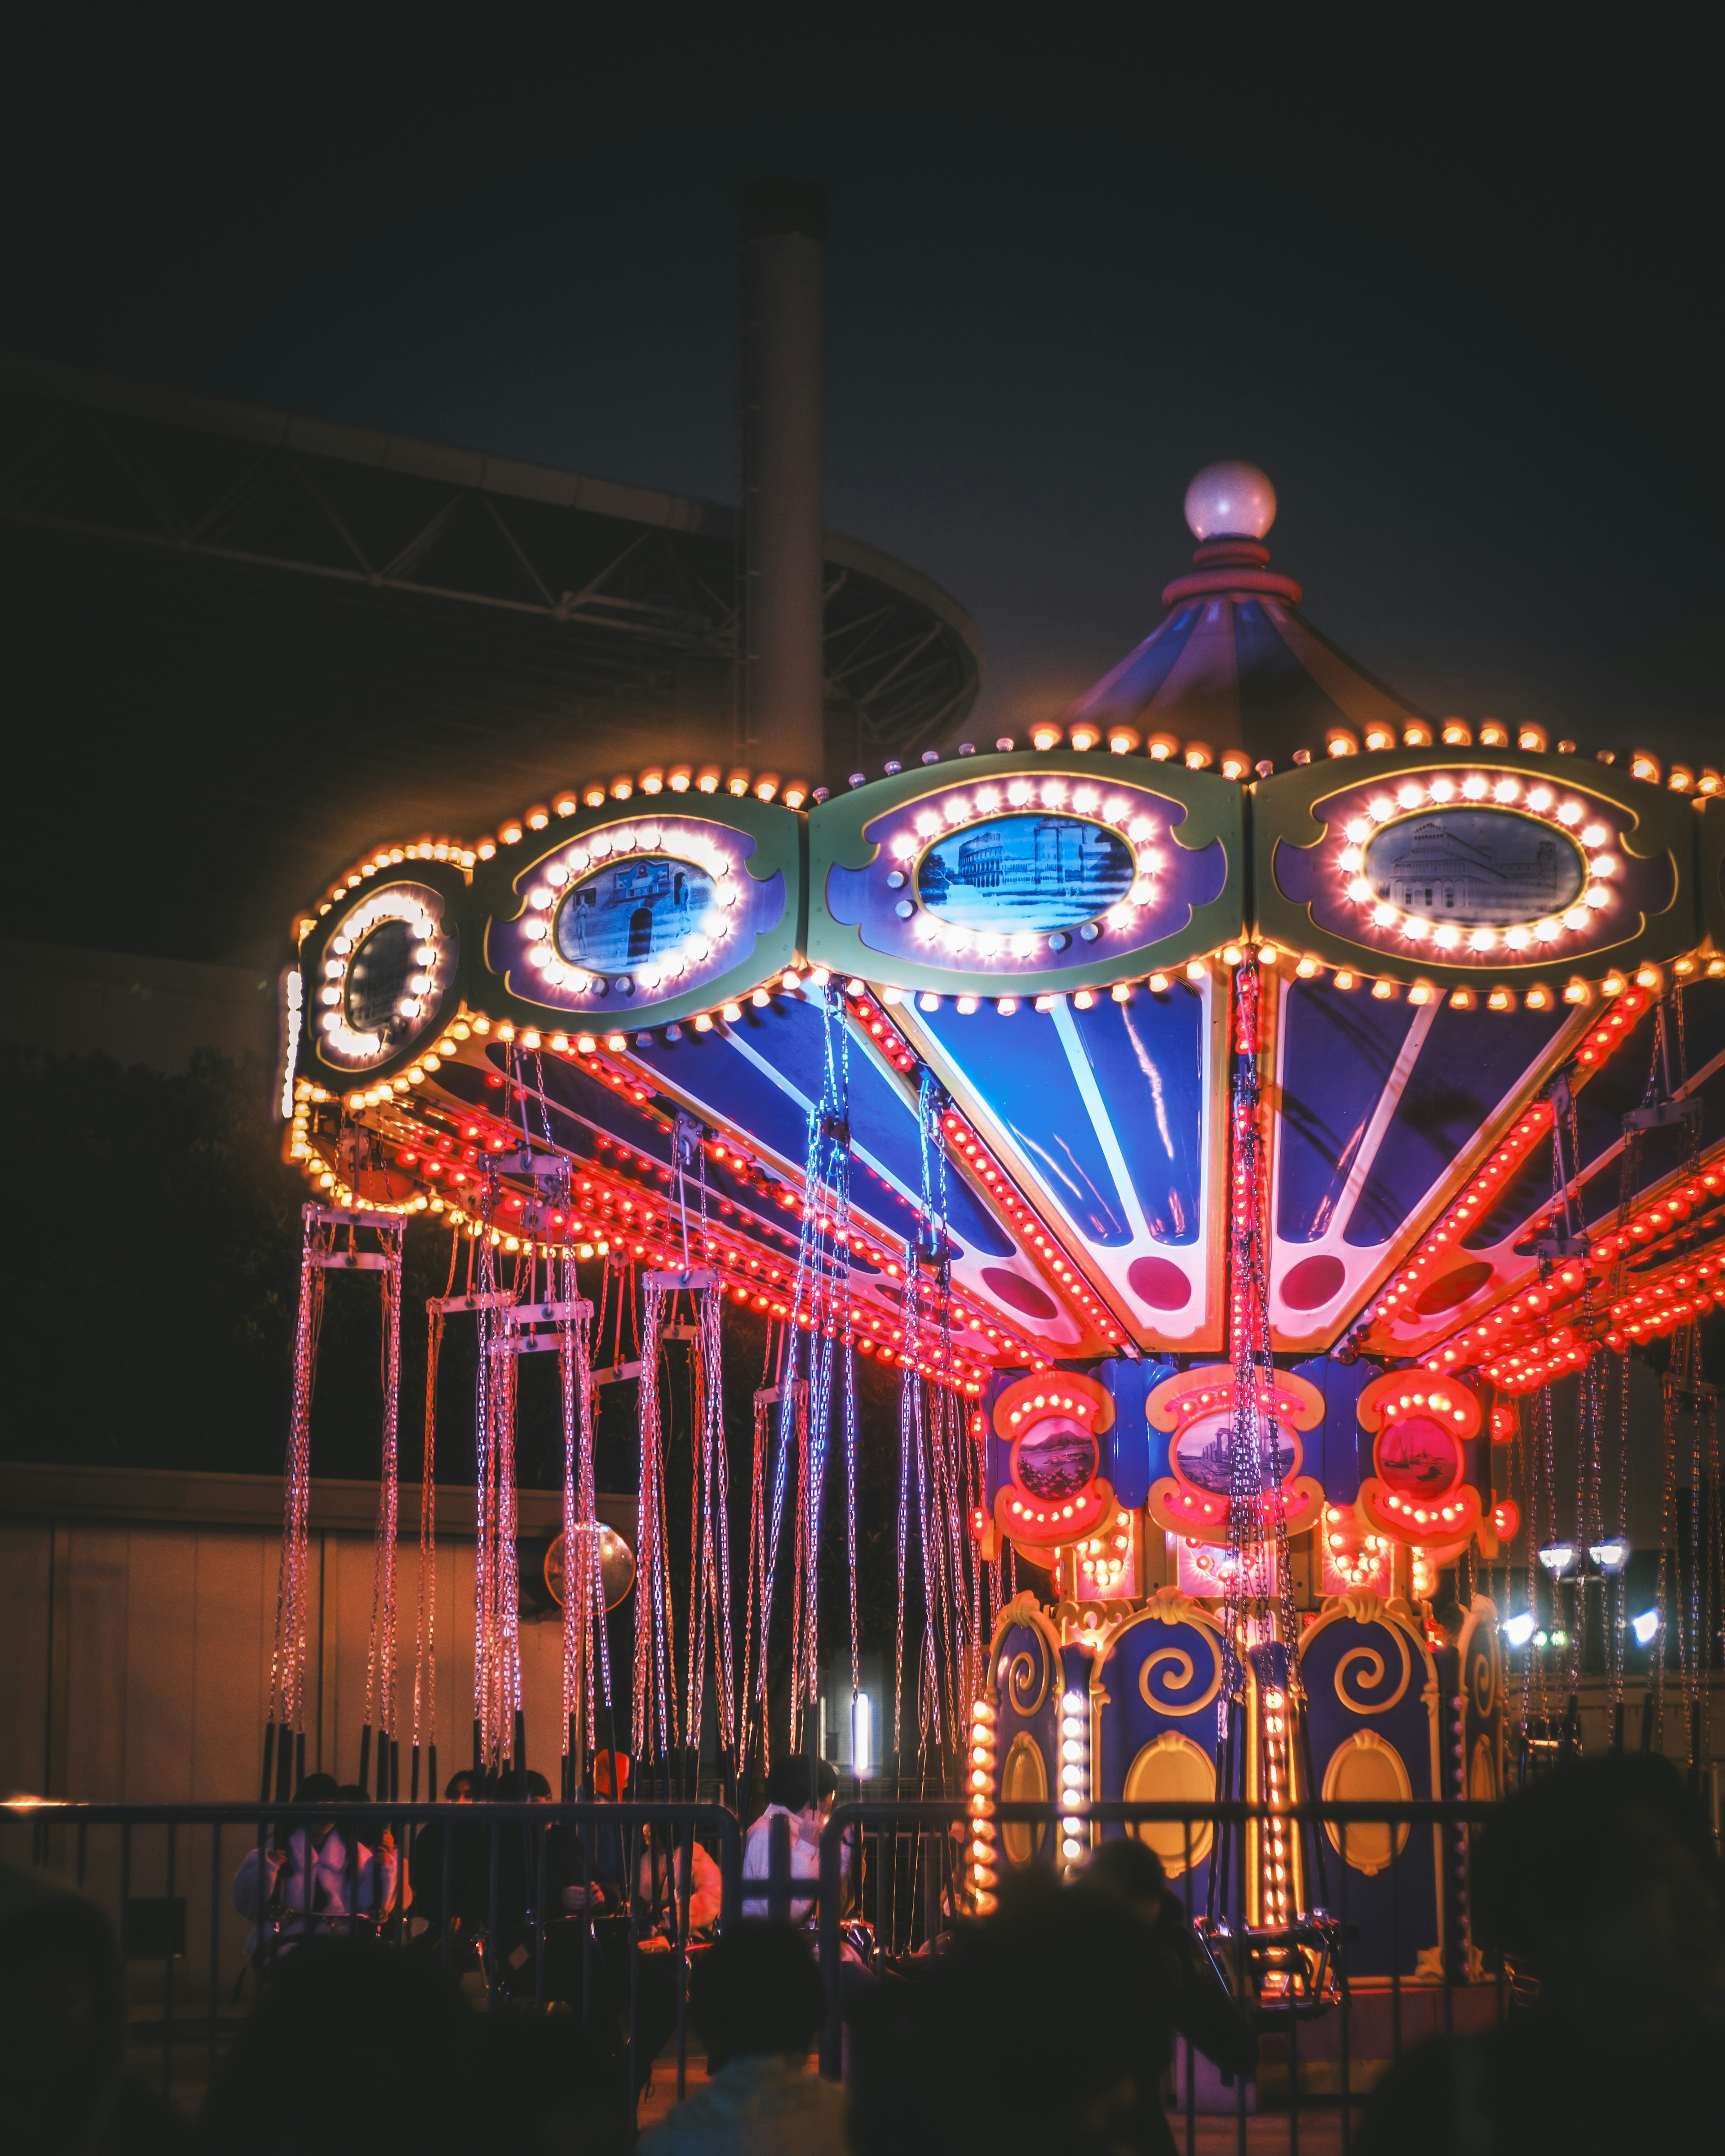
x=246 y=642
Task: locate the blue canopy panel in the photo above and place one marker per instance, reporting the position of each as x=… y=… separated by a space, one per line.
x=1385 y=1107
x=1107 y=1120
x=761 y=1077
x=599 y=1128
x=1124 y=694
x=1489 y=1266
x=1240 y=669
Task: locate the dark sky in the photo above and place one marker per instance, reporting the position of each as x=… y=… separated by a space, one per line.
x=1456 y=295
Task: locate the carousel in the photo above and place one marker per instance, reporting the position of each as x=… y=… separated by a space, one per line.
x=1255 y=1122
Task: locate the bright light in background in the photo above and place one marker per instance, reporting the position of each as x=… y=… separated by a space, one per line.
x=1518 y=1630
x=862 y=1735
x=1645 y=1626
x=1557 y=1557
x=1612 y=1554
x=293 y=1010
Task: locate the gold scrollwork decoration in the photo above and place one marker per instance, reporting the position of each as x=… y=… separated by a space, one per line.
x=1357 y=1704
x=1184 y=1670
x=1483 y=1678
x=1026 y=1675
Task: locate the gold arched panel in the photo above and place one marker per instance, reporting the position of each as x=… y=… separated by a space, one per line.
x=1367 y=1770
x=1171 y=1770
x=1023 y=1780
x=1483 y=1772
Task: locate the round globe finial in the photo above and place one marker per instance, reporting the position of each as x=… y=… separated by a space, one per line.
x=1231 y=500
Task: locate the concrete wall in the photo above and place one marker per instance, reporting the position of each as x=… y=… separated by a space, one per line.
x=154 y=1011
x=137 y=1610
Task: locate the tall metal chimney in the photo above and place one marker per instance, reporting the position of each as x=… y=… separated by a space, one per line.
x=782 y=229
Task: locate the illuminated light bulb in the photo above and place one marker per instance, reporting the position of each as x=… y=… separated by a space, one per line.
x=1645 y=1627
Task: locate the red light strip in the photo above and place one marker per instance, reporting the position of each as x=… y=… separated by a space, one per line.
x=1446 y=1237
x=1519 y=1361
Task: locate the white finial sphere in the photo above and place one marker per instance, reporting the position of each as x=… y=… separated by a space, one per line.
x=1231 y=500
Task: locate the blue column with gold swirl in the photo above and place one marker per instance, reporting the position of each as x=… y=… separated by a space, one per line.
x=1027 y=1680
x=1154 y=1692
x=1373 y=1715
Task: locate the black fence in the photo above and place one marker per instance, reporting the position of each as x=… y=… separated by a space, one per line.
x=600 y=1910
x=1327 y=2034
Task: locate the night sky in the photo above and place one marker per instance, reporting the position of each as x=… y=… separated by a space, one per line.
x=1457 y=300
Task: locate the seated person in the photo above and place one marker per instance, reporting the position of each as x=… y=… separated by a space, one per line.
x=698 y=1878
x=355 y=1832
x=1203 y=2009
x=310 y=1884
x=596 y=1868
x=756 y=2000
x=805 y=1795
x=469 y=1871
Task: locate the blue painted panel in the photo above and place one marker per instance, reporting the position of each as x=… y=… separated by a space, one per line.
x=1279 y=701
x=1028 y=1679
x=1468 y=1061
x=1144 y=1701
x=1125 y=1455
x=1339 y=1050
x=1124 y=693
x=1333 y=1453
x=1351 y=1671
x=1017 y=1066
x=883 y=1122
x=1147 y=1058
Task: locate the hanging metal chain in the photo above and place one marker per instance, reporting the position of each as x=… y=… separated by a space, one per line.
x=587 y=1652
x=1667 y=1520
x=1258 y=1602
x=655 y=1694
x=751 y=1717
x=425 y=1628
x=1617 y=1588
x=287 y=1664
x=1713 y=1607
x=380 y=1648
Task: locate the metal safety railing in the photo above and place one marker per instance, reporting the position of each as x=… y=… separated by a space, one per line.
x=903 y=1867
x=602 y=1907
x=594 y=1905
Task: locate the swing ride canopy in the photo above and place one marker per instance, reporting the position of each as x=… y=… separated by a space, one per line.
x=1463 y=935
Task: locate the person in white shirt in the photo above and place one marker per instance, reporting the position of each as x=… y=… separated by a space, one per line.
x=757 y=2001
x=305 y=1887
x=804 y=1794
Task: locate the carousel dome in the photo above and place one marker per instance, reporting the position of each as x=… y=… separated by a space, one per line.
x=1235 y=664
